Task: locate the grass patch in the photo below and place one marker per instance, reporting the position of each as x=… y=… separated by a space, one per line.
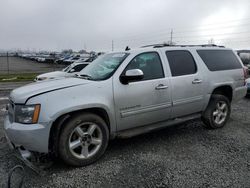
x=17 y=77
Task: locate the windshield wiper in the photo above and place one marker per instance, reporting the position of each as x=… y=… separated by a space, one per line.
x=84 y=76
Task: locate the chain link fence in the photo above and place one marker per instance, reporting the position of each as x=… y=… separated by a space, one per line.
x=11 y=63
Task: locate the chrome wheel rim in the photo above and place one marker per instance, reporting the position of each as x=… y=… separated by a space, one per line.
x=220 y=112
x=85 y=140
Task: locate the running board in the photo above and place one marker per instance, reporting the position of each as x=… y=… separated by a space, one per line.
x=156 y=126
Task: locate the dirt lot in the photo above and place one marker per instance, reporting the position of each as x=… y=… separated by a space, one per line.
x=20 y=65
x=187 y=155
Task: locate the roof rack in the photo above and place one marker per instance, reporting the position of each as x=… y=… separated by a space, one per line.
x=171 y=45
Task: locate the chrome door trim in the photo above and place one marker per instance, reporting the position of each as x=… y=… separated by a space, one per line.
x=188 y=100
x=127 y=113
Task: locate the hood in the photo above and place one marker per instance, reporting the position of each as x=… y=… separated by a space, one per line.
x=54 y=74
x=20 y=95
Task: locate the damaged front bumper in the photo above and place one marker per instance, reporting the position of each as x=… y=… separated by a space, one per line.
x=28 y=144
x=33 y=137
x=35 y=161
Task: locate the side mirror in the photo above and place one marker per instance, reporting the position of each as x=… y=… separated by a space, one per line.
x=72 y=70
x=131 y=76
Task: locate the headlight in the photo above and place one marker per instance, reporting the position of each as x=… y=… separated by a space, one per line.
x=27 y=114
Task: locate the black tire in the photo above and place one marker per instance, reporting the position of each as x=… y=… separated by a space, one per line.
x=208 y=117
x=64 y=148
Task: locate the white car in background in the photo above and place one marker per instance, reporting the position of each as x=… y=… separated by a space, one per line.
x=69 y=71
x=82 y=60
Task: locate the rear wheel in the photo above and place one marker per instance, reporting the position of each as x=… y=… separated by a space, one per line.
x=218 y=112
x=83 y=139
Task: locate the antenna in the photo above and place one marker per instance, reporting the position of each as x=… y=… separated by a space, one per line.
x=171 y=37
x=112 y=45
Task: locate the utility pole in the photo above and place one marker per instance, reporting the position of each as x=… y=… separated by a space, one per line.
x=171 y=37
x=85 y=46
x=112 y=45
x=211 y=41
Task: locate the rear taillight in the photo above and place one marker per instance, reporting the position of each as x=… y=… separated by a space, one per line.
x=245 y=70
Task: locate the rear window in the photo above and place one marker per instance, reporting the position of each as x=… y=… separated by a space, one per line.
x=217 y=60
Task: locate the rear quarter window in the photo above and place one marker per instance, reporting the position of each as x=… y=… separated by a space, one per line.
x=217 y=60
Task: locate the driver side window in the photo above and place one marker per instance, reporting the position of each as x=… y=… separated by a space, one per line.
x=149 y=63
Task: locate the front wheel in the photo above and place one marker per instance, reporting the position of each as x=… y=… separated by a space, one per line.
x=217 y=113
x=83 y=139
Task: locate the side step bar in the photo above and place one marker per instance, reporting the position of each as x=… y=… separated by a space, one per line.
x=156 y=126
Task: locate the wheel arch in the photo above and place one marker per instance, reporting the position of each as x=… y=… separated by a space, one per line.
x=61 y=121
x=225 y=90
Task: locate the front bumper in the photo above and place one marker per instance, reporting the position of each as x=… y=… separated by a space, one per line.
x=33 y=137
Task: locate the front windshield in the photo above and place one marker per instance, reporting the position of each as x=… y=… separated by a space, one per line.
x=104 y=66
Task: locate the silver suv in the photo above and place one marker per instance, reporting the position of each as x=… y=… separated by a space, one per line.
x=123 y=94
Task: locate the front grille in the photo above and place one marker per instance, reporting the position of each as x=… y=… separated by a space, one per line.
x=11 y=109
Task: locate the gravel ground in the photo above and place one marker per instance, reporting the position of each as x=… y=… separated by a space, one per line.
x=187 y=155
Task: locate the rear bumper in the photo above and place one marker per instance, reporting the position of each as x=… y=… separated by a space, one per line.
x=239 y=93
x=34 y=137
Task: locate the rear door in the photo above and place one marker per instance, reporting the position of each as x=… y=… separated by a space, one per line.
x=187 y=84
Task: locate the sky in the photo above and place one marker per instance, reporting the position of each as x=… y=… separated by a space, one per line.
x=93 y=24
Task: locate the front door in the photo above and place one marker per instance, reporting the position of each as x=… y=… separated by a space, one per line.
x=146 y=101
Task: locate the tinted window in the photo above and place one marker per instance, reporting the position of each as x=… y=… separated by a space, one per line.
x=181 y=63
x=149 y=63
x=217 y=60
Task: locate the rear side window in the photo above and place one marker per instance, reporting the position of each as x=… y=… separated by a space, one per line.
x=181 y=63
x=217 y=60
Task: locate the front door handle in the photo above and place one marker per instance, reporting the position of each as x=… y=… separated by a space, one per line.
x=196 y=81
x=161 y=86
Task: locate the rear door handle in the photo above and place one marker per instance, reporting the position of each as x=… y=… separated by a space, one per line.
x=161 y=86
x=196 y=81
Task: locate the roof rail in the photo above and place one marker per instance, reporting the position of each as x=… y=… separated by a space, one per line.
x=156 y=45
x=186 y=45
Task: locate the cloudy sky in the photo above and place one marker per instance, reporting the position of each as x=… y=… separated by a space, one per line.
x=93 y=24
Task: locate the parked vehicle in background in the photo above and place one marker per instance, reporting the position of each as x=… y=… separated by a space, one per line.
x=69 y=71
x=248 y=67
x=90 y=59
x=39 y=57
x=124 y=94
x=81 y=60
x=71 y=59
x=62 y=58
x=245 y=58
